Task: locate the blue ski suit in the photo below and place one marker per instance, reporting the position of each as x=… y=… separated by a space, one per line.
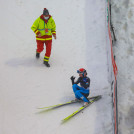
x=82 y=91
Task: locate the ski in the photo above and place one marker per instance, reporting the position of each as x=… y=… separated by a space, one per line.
x=66 y=103
x=81 y=108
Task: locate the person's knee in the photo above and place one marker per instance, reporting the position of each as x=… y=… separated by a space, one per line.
x=40 y=49
x=74 y=86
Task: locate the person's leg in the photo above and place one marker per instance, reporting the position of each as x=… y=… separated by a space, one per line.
x=40 y=46
x=86 y=94
x=48 y=50
x=82 y=93
x=75 y=89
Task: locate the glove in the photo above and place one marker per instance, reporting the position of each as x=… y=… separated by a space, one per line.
x=72 y=78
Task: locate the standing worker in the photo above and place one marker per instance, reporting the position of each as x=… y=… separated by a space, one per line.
x=44 y=27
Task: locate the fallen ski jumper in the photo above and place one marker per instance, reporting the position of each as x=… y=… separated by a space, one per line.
x=82 y=91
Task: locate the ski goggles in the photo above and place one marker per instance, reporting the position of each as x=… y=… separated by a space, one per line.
x=79 y=72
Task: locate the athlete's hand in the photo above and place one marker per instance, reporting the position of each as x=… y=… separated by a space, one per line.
x=72 y=78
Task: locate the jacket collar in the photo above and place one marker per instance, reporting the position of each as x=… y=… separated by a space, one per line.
x=42 y=17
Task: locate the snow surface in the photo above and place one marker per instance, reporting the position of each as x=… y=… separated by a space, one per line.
x=26 y=84
x=123 y=21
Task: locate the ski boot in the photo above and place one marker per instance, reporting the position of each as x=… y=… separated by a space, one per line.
x=86 y=103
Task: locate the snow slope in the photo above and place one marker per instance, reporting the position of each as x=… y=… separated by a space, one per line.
x=123 y=21
x=26 y=84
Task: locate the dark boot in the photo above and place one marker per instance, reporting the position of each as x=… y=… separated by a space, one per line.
x=37 y=55
x=46 y=63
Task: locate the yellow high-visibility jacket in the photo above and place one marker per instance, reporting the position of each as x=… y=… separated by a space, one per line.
x=46 y=27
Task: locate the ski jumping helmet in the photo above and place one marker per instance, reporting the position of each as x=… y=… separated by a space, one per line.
x=82 y=71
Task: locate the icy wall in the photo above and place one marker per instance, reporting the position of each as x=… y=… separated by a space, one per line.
x=123 y=21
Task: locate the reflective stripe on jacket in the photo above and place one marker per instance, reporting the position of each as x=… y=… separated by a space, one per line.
x=46 y=28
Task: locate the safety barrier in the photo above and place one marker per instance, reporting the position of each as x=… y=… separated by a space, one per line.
x=112 y=68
